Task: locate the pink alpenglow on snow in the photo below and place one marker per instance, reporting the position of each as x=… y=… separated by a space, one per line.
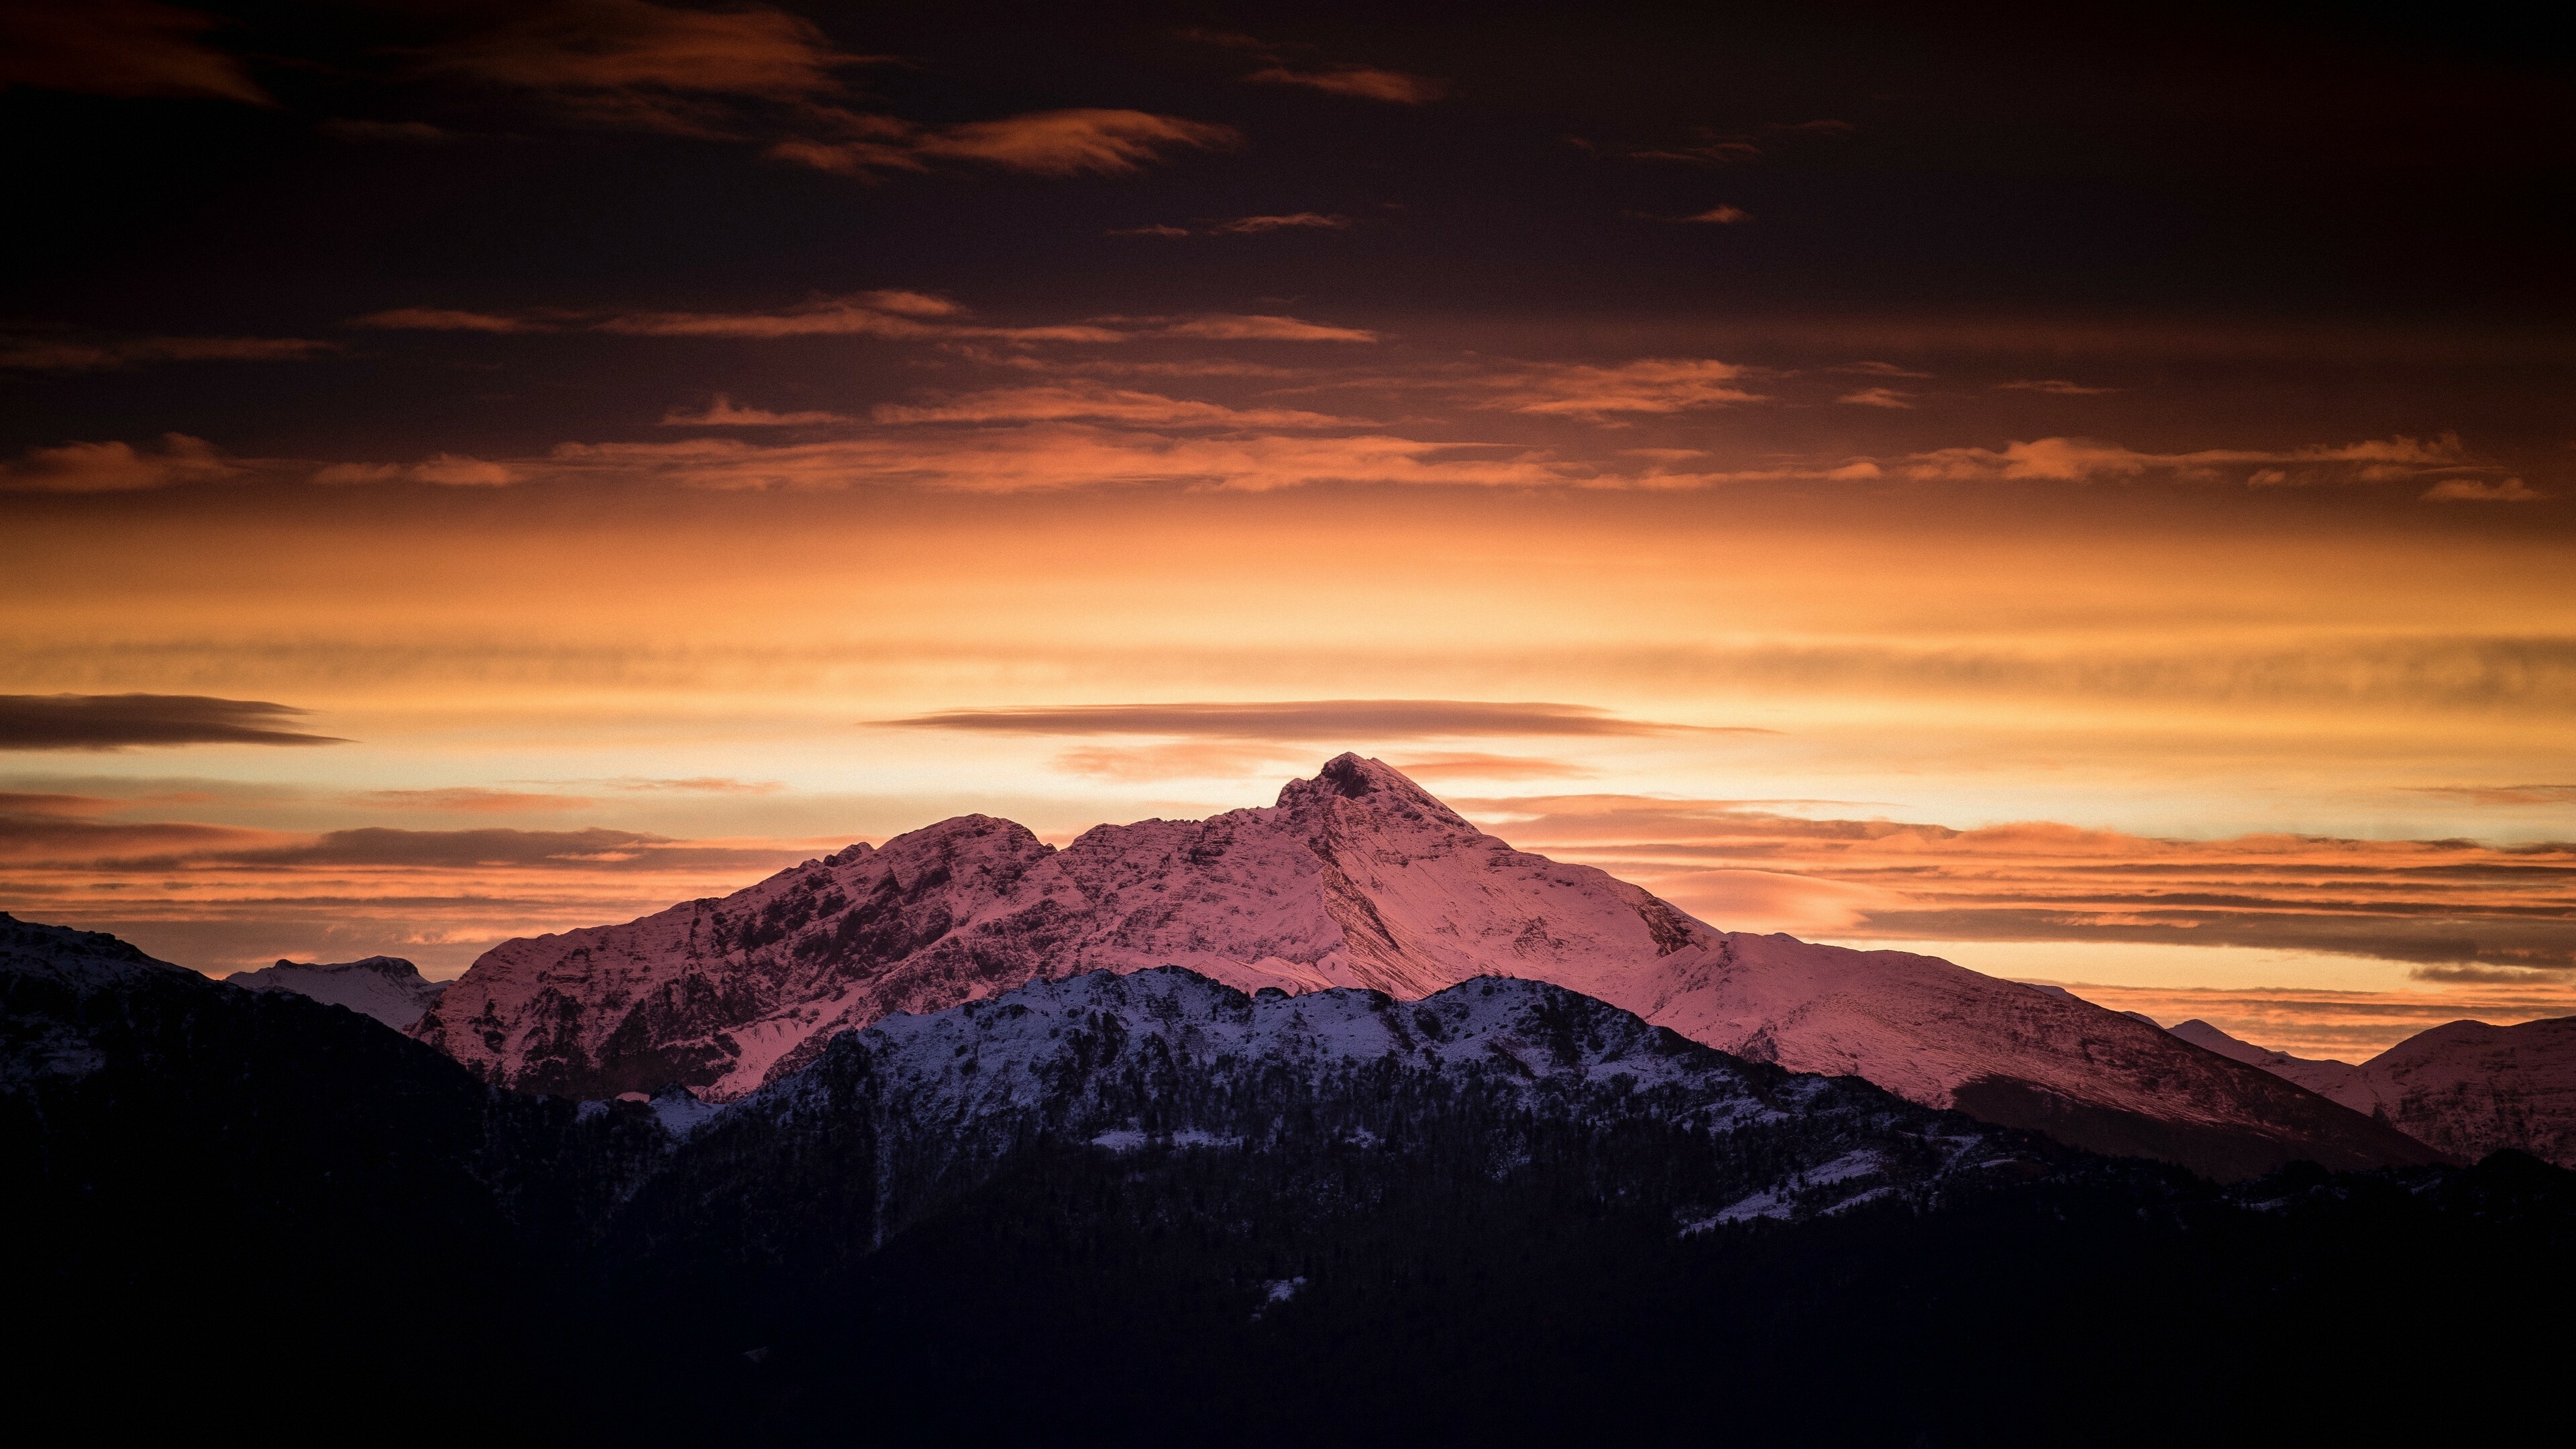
x=388 y=988
x=1357 y=877
x=2465 y=1087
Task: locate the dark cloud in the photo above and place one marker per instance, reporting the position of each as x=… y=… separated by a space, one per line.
x=698 y=785
x=125 y=48
x=761 y=76
x=123 y=721
x=2504 y=794
x=1294 y=63
x=117 y=467
x=378 y=845
x=1313 y=719
x=1368 y=82
x=54 y=832
x=40 y=354
x=472 y=800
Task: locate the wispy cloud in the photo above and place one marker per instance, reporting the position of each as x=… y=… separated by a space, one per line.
x=1244 y=226
x=471 y=800
x=117 y=467
x=1648 y=385
x=1292 y=221
x=1096 y=402
x=761 y=76
x=125 y=721
x=630 y=47
x=892 y=314
x=1468 y=765
x=1261 y=327
x=1311 y=719
x=2504 y=794
x=1070 y=143
x=1367 y=82
x=128 y=48
x=1719 y=216
x=2072 y=460
x=2477 y=490
x=695 y=785
x=721 y=413
x=2437 y=905
x=1704 y=146
x=889 y=313
x=2054 y=386
x=1231 y=759
x=447 y=319
x=444 y=470
x=1878 y=397
x=1053 y=456
x=41 y=354
x=1287 y=63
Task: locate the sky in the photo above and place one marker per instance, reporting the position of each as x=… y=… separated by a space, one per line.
x=2091 y=503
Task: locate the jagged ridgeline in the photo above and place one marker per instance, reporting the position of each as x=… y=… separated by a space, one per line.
x=1153 y=1207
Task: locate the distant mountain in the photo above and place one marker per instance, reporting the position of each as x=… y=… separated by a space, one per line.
x=388 y=988
x=1356 y=878
x=2338 y=1081
x=2466 y=1087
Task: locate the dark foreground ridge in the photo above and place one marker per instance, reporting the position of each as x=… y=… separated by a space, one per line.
x=1154 y=1208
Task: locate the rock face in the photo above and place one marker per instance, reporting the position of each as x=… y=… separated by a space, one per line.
x=1357 y=877
x=387 y=988
x=2466 y=1087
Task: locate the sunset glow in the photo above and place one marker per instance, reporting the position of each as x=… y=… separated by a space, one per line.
x=550 y=462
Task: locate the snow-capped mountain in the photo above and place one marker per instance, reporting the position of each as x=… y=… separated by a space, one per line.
x=2465 y=1087
x=388 y=988
x=1357 y=877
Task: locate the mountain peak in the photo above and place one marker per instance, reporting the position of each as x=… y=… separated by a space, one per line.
x=388 y=988
x=1378 y=786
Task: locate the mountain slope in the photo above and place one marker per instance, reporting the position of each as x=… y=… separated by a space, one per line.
x=2337 y=1081
x=892 y=1122
x=204 y=1177
x=1357 y=877
x=387 y=988
x=2465 y=1087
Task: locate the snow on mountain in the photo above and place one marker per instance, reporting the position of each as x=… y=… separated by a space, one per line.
x=387 y=988
x=2339 y=1081
x=46 y=973
x=1165 y=1058
x=80 y=960
x=2466 y=1087
x=1357 y=877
